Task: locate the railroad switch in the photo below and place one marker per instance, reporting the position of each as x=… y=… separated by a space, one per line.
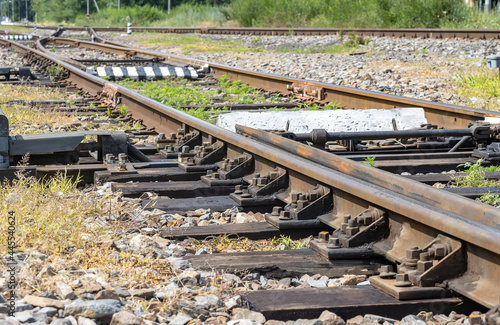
x=57 y=147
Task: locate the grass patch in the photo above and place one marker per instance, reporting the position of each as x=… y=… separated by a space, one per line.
x=480 y=82
x=490 y=199
x=481 y=85
x=181 y=92
x=233 y=242
x=195 y=43
x=51 y=215
x=351 y=44
x=476 y=175
x=25 y=119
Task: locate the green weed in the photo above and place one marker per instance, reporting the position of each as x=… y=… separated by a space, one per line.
x=123 y=110
x=475 y=175
x=490 y=198
x=370 y=161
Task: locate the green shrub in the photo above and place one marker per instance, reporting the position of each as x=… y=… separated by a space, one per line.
x=348 y=13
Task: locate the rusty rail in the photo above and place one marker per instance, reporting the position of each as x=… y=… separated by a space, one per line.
x=388 y=32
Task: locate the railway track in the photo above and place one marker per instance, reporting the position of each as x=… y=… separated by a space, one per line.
x=439 y=242
x=406 y=33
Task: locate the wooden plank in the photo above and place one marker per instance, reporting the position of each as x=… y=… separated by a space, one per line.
x=172 y=189
x=284 y=263
x=253 y=230
x=346 y=302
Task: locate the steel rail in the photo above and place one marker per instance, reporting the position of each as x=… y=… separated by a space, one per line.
x=443 y=115
x=435 y=33
x=476 y=224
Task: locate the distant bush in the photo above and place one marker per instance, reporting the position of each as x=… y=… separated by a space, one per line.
x=347 y=13
x=193 y=15
x=140 y=16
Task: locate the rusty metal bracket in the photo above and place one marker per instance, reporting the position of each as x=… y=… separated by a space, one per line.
x=204 y=158
x=110 y=95
x=183 y=143
x=230 y=171
x=120 y=166
x=369 y=226
x=307 y=91
x=262 y=189
x=423 y=271
x=301 y=206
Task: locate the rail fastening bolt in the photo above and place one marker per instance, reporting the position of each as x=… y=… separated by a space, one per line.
x=387 y=272
x=276 y=210
x=284 y=215
x=424 y=263
x=402 y=280
x=323 y=236
x=333 y=242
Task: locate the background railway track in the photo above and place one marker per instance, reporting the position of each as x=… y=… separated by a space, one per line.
x=409 y=33
x=352 y=189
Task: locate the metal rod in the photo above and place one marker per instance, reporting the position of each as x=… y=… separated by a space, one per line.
x=133 y=151
x=380 y=135
x=460 y=143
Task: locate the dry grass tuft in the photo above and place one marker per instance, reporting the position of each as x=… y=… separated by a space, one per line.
x=52 y=215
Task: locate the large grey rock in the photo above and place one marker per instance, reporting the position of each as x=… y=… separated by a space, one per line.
x=317 y=283
x=45 y=313
x=23 y=307
x=188 y=278
x=179 y=264
x=241 y=313
x=24 y=316
x=233 y=302
x=93 y=309
x=413 y=320
x=86 y=321
x=242 y=322
x=72 y=320
x=43 y=302
x=180 y=319
x=301 y=321
x=329 y=318
x=141 y=244
x=106 y=294
x=207 y=301
x=125 y=318
x=64 y=291
x=121 y=292
x=142 y=293
x=274 y=322
x=61 y=321
x=8 y=320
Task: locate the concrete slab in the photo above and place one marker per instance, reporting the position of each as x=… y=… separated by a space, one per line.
x=331 y=120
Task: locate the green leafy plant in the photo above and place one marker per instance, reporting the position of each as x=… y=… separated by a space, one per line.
x=285 y=242
x=475 y=175
x=123 y=110
x=370 y=161
x=490 y=198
